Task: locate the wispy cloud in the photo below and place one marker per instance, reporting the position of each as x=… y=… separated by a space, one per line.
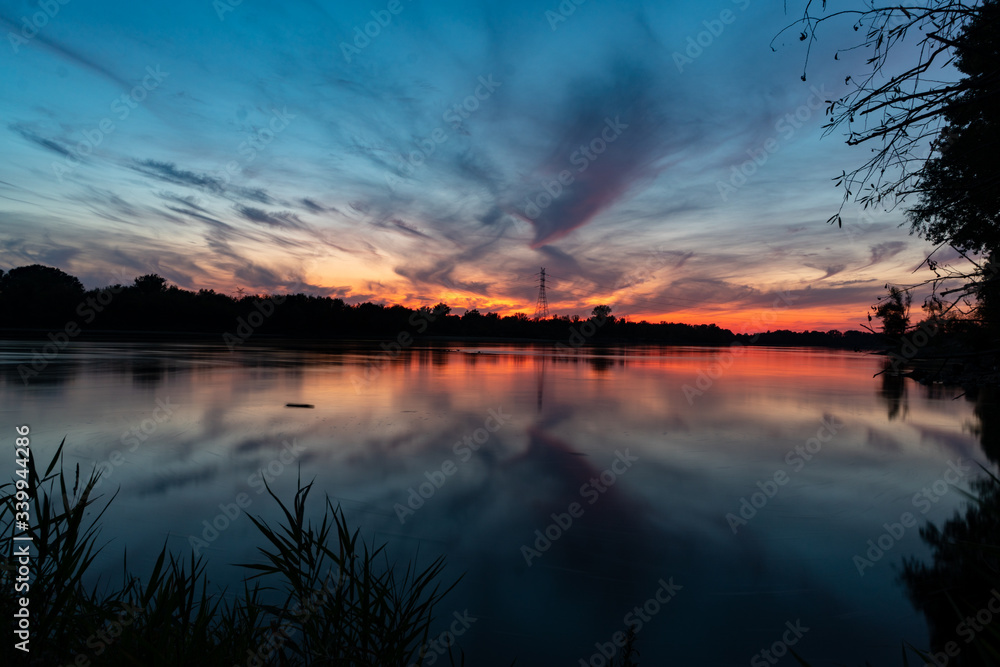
x=399 y=178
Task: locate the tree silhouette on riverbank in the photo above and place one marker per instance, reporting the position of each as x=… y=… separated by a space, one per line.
x=38 y=299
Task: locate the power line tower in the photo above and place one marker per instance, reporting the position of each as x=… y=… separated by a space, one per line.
x=542 y=307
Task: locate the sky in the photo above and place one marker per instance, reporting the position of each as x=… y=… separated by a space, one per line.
x=662 y=157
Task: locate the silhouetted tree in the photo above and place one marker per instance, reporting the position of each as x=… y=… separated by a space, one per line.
x=893 y=391
x=932 y=80
x=959 y=186
x=961 y=580
x=987 y=424
x=151 y=283
x=39 y=295
x=898 y=104
x=602 y=313
x=894 y=311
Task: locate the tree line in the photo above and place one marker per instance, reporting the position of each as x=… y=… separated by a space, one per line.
x=41 y=299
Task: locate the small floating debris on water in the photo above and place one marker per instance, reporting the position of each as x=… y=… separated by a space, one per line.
x=299 y=405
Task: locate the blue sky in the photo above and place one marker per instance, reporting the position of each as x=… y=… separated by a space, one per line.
x=414 y=151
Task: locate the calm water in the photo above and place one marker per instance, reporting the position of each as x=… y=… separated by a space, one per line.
x=381 y=428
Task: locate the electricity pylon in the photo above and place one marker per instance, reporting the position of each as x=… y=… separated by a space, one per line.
x=542 y=307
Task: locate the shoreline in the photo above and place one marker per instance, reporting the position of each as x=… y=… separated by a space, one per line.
x=141 y=336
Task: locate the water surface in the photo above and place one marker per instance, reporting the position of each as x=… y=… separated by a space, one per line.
x=687 y=433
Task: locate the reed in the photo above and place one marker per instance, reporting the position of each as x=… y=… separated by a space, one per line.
x=317 y=595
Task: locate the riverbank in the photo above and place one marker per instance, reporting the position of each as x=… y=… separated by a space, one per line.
x=852 y=340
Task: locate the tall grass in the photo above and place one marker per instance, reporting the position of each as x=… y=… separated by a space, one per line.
x=340 y=601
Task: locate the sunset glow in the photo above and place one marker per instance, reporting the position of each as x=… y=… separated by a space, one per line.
x=205 y=149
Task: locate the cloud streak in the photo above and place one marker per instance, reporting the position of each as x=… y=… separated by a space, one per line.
x=395 y=180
